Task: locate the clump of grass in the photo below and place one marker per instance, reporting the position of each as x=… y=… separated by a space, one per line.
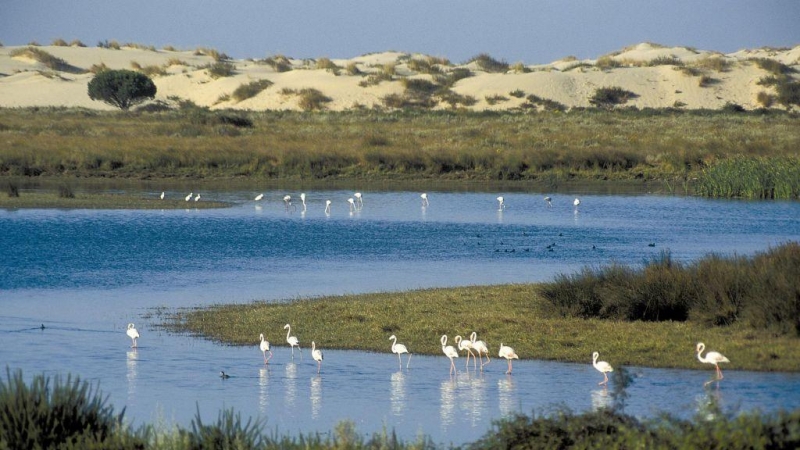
x=716 y=63
x=607 y=62
x=495 y=99
x=671 y=60
x=111 y=45
x=59 y=43
x=278 y=62
x=352 y=69
x=608 y=97
x=546 y=104
x=773 y=66
x=220 y=69
x=518 y=93
x=310 y=99
x=213 y=53
x=486 y=63
x=251 y=89
x=48 y=60
x=326 y=64
x=706 y=81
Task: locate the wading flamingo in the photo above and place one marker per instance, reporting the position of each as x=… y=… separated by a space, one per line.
x=601 y=366
x=480 y=347
x=424 y=197
x=259 y=197
x=264 y=346
x=399 y=349
x=711 y=358
x=501 y=203
x=292 y=340
x=509 y=354
x=450 y=352
x=133 y=334
x=317 y=355
x=464 y=344
x=189 y=197
x=327 y=206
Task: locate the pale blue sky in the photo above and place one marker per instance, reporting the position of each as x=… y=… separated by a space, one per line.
x=530 y=31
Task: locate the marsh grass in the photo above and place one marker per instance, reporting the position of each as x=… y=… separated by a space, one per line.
x=580 y=145
x=516 y=315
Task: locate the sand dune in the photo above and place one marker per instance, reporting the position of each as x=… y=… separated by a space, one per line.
x=659 y=76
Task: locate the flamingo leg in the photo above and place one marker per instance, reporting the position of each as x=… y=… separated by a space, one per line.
x=399 y=361
x=408 y=361
x=605 y=379
x=719 y=372
x=452 y=366
x=474 y=363
x=509 y=367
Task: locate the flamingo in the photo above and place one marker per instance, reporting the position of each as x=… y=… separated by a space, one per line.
x=480 y=347
x=360 y=201
x=501 y=202
x=132 y=333
x=327 y=206
x=399 y=349
x=549 y=202
x=292 y=340
x=317 y=355
x=197 y=199
x=466 y=345
x=352 y=204
x=259 y=197
x=264 y=346
x=287 y=201
x=424 y=197
x=576 y=202
x=303 y=199
x=601 y=366
x=450 y=352
x=711 y=358
x=509 y=354
x=189 y=197
x=162 y=195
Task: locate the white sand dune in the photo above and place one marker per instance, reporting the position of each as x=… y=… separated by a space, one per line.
x=25 y=82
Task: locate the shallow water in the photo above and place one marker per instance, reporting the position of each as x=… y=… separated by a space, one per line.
x=86 y=274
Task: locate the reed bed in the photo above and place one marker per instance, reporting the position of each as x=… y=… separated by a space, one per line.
x=752 y=178
x=761 y=292
x=553 y=147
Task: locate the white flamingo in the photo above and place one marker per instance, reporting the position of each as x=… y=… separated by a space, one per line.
x=424 y=197
x=162 y=195
x=197 y=198
x=352 y=204
x=399 y=349
x=480 y=347
x=259 y=197
x=450 y=352
x=711 y=358
x=287 y=201
x=359 y=200
x=501 y=203
x=509 y=354
x=292 y=340
x=264 y=346
x=327 y=206
x=464 y=344
x=576 y=202
x=303 y=200
x=189 y=197
x=317 y=355
x=549 y=202
x=601 y=366
x=133 y=334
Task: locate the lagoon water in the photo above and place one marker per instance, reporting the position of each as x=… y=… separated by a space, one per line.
x=85 y=274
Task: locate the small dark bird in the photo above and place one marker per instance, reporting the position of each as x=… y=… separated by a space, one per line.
x=652 y=244
x=224 y=375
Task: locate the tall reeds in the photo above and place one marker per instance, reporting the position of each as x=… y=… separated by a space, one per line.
x=752 y=177
x=762 y=292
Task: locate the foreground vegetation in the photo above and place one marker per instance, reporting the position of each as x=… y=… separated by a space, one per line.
x=670 y=146
x=749 y=311
x=71 y=414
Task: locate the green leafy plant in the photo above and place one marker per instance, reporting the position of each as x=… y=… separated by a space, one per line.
x=607 y=97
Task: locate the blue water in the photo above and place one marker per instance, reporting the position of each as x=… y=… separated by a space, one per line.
x=85 y=274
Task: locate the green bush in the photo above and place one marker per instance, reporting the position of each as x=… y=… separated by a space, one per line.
x=312 y=99
x=121 y=88
x=220 y=69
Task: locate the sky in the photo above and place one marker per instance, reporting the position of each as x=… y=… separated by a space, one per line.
x=528 y=31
